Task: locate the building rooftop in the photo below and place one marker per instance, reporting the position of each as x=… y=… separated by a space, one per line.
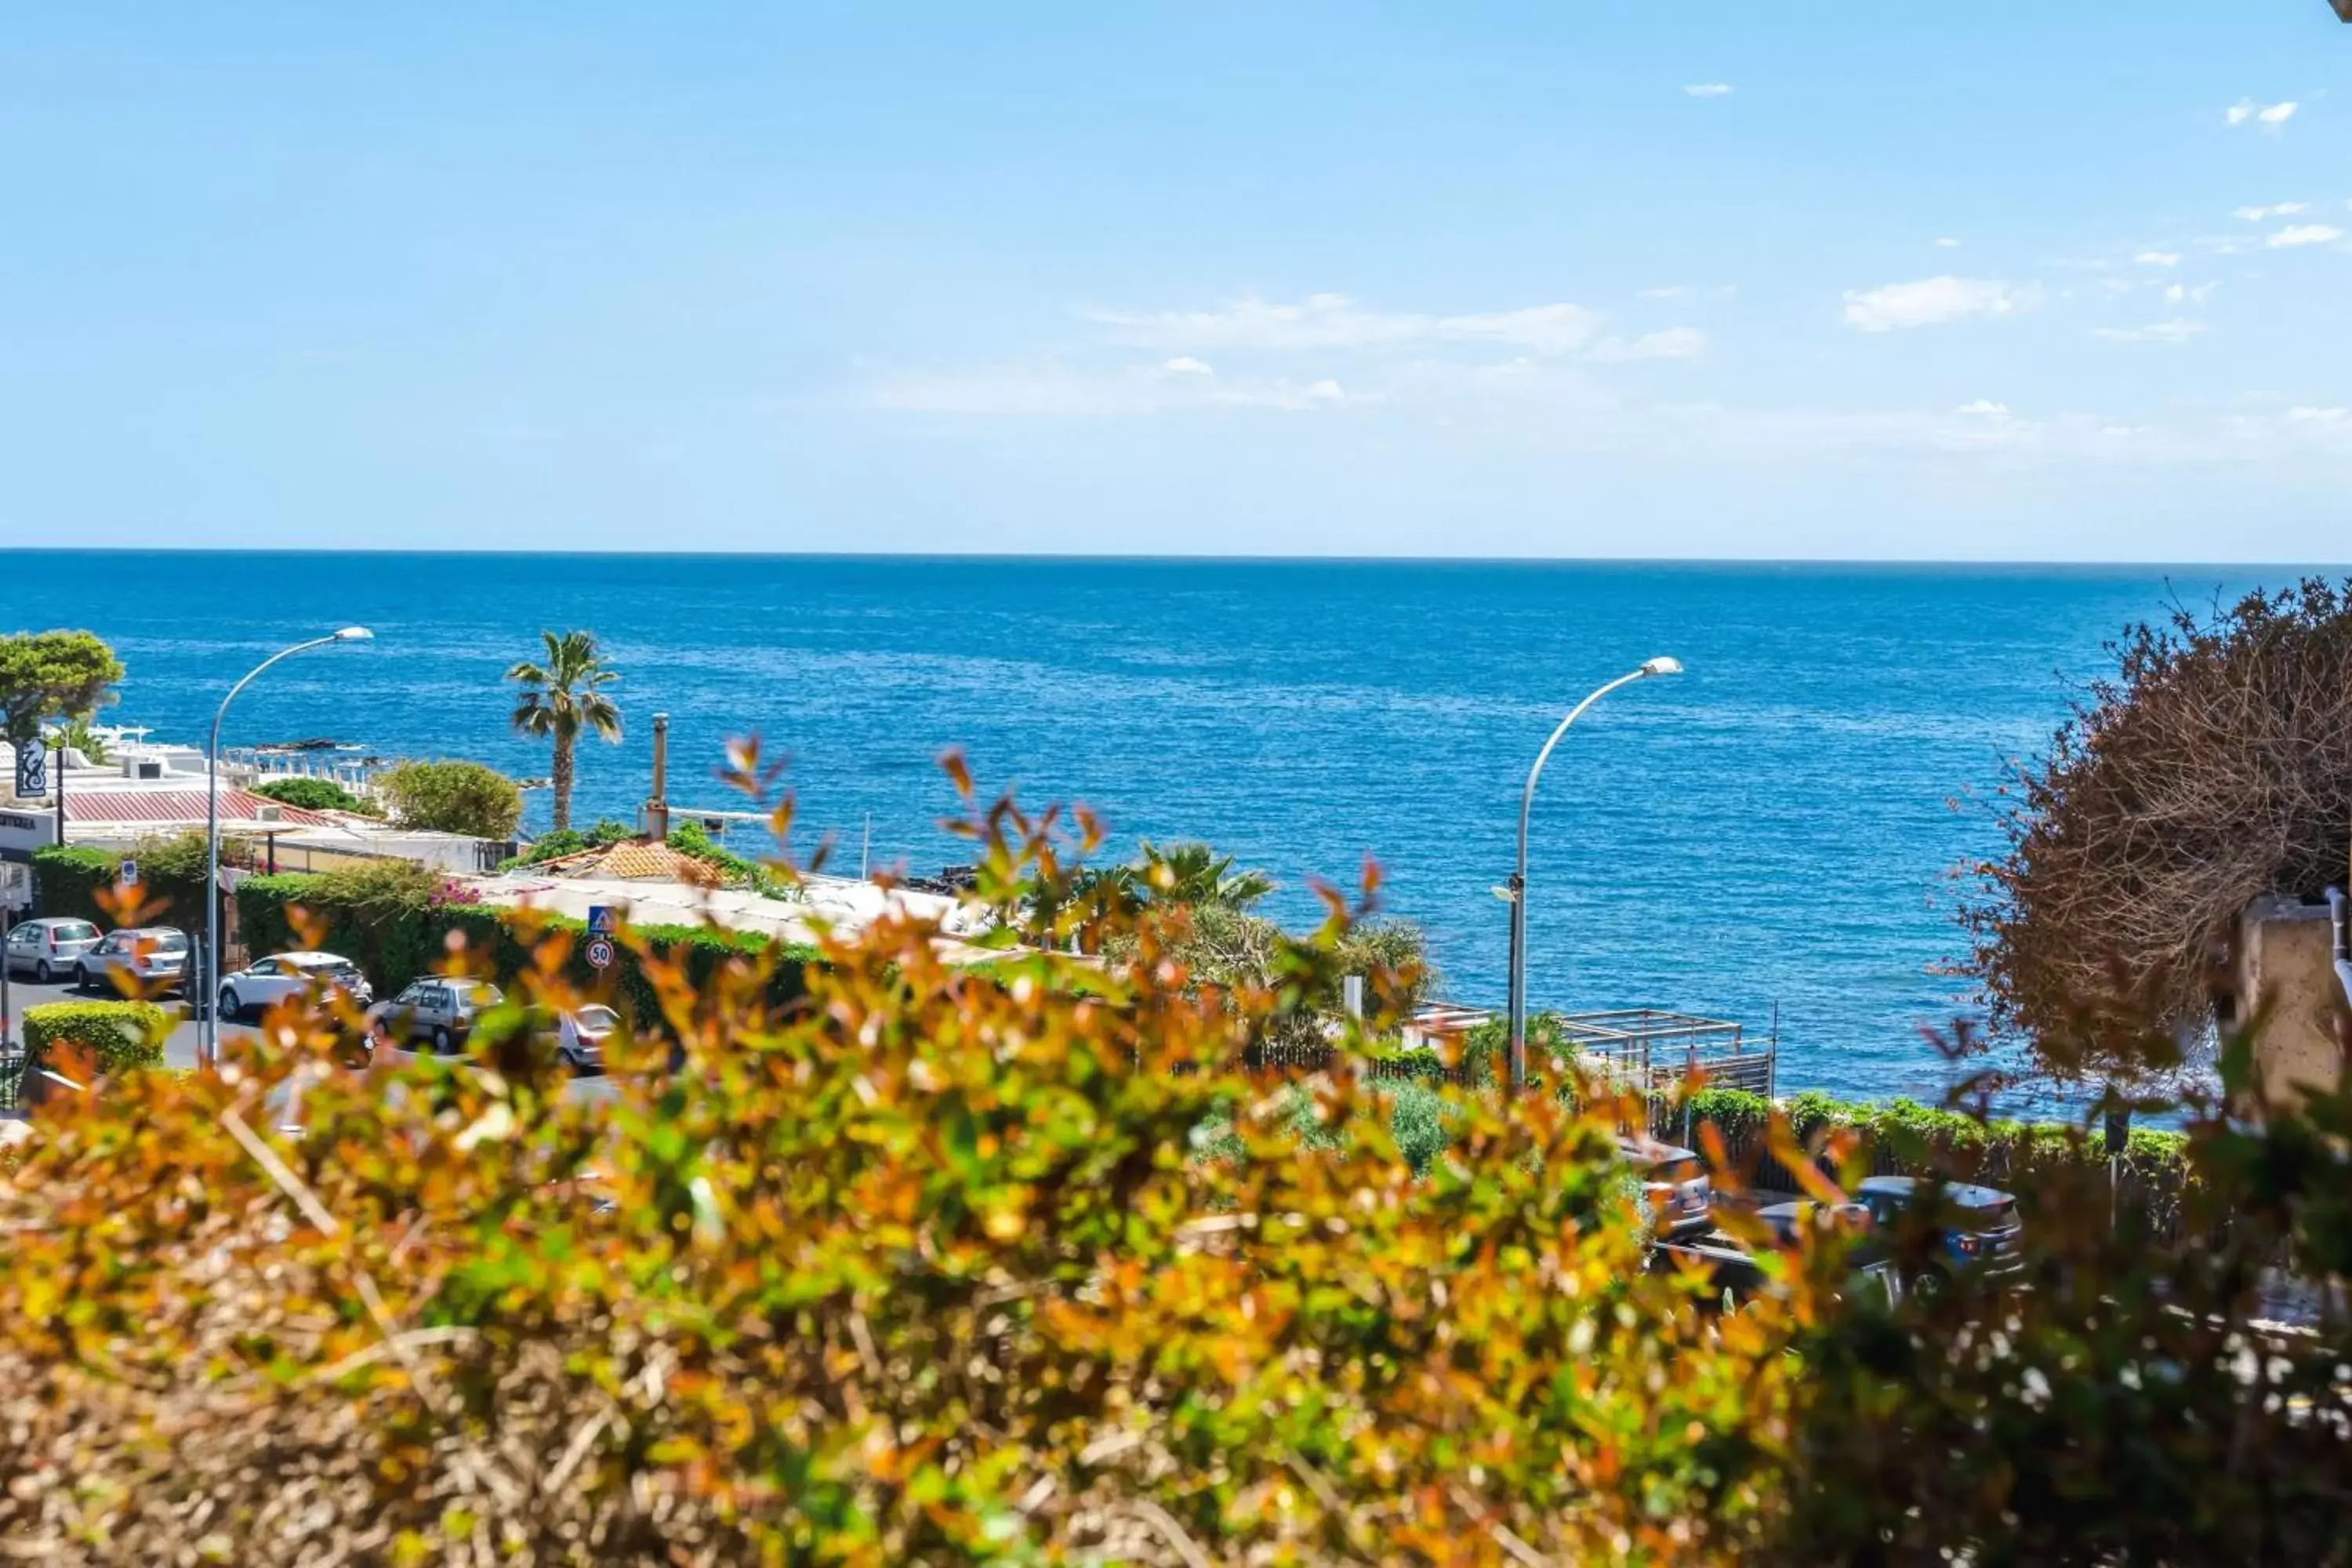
x=844 y=905
x=145 y=806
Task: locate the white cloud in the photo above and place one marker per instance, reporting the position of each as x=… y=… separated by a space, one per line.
x=1185 y=365
x=2303 y=233
x=2181 y=294
x=1931 y=301
x=1048 y=387
x=1709 y=90
x=2172 y=332
x=1946 y=242
x=2319 y=416
x=2271 y=114
x=2158 y=258
x=2276 y=209
x=1983 y=408
x=1674 y=342
x=1335 y=322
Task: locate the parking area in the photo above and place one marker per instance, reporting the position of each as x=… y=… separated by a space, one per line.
x=179 y=1051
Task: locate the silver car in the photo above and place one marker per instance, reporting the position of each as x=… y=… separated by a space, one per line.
x=1676 y=1188
x=141 y=960
x=48 y=948
x=440 y=1010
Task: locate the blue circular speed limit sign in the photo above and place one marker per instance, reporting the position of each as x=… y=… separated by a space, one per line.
x=600 y=953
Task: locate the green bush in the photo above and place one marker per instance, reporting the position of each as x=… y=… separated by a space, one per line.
x=1421 y=1120
x=171 y=880
x=452 y=798
x=565 y=841
x=1903 y=1136
x=315 y=794
x=119 y=1035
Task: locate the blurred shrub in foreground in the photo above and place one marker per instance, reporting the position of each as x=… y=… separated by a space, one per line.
x=939 y=1266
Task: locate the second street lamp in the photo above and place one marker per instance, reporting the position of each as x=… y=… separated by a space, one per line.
x=208 y=1042
x=1517 y=893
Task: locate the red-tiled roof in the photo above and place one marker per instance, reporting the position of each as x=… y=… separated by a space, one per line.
x=176 y=807
x=633 y=860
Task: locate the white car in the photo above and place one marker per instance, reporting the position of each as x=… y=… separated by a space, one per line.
x=49 y=948
x=139 y=960
x=284 y=975
x=580 y=1037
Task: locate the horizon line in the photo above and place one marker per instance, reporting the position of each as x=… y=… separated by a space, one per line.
x=1153 y=558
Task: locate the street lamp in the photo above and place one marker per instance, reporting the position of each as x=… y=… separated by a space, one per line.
x=208 y=1046
x=1515 y=895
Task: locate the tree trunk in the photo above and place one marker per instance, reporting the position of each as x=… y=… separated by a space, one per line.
x=562 y=782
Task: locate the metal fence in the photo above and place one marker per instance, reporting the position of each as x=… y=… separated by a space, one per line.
x=1651 y=1051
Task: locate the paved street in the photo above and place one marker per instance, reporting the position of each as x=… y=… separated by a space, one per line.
x=179 y=1051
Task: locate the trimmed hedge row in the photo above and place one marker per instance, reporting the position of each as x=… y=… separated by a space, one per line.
x=1907 y=1131
x=393 y=942
x=119 y=1035
x=1905 y=1138
x=170 y=881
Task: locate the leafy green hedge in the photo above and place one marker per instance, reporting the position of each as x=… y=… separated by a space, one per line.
x=1904 y=1137
x=561 y=841
x=118 y=1035
x=314 y=794
x=171 y=879
x=378 y=922
x=1909 y=1131
x=1901 y=1137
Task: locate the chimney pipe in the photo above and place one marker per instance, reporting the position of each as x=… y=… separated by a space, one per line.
x=657 y=808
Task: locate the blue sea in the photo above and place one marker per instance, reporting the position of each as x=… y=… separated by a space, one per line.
x=1775 y=832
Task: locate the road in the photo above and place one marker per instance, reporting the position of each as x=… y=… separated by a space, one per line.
x=179 y=1051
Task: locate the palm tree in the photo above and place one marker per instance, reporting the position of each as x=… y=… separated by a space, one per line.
x=79 y=734
x=562 y=697
x=1196 y=874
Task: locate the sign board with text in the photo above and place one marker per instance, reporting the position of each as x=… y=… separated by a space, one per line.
x=600 y=952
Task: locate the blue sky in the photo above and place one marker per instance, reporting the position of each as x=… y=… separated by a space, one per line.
x=2014 y=280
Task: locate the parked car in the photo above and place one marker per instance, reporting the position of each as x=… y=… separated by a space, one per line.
x=48 y=948
x=1976 y=1228
x=438 y=1010
x=285 y=975
x=1788 y=1220
x=1733 y=1273
x=145 y=958
x=1676 y=1189
x=580 y=1036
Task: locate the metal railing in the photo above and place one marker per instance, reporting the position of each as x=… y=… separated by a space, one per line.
x=1649 y=1049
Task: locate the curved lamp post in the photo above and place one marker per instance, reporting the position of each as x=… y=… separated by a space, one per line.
x=208 y=1042
x=1517 y=892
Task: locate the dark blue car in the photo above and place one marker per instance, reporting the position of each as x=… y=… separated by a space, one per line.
x=1976 y=1228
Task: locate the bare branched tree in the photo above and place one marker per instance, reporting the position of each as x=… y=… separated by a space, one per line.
x=2213 y=766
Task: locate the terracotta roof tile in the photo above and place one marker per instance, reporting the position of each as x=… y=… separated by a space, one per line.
x=636 y=861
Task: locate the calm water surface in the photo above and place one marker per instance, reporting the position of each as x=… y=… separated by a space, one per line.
x=1776 y=826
